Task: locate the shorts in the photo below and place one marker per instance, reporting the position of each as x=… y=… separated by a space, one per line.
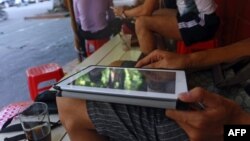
x=113 y=28
x=171 y=4
x=197 y=27
x=121 y=122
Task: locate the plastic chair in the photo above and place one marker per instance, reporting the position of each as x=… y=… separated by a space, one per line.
x=183 y=49
x=93 y=45
x=209 y=44
x=42 y=74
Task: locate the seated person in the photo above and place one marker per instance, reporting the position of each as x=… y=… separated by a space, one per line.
x=143 y=8
x=90 y=120
x=193 y=21
x=129 y=13
x=95 y=20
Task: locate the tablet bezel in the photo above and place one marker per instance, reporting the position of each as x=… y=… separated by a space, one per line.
x=180 y=86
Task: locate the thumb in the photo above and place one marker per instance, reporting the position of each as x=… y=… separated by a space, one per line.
x=171 y=113
x=200 y=95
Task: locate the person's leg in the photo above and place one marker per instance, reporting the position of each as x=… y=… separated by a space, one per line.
x=163 y=22
x=165 y=12
x=74 y=117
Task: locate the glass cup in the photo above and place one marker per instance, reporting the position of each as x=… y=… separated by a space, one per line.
x=36 y=123
x=126 y=40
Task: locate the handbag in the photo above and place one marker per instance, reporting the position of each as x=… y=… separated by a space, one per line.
x=48 y=97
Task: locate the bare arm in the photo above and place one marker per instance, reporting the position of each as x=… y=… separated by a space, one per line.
x=144 y=9
x=197 y=60
x=219 y=55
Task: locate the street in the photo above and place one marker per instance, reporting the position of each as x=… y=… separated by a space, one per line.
x=26 y=43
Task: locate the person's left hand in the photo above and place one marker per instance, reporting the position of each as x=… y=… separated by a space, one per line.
x=207 y=124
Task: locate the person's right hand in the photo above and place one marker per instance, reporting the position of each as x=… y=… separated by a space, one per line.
x=163 y=59
x=118 y=11
x=207 y=124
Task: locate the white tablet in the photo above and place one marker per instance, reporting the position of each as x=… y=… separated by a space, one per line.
x=136 y=86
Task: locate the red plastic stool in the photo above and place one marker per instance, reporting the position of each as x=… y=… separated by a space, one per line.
x=93 y=45
x=183 y=49
x=42 y=73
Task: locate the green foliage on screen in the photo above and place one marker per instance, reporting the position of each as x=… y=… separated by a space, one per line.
x=132 y=79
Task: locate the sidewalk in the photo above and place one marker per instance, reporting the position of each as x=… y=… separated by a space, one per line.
x=50 y=15
x=70 y=66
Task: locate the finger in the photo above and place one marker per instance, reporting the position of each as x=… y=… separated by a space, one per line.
x=190 y=131
x=200 y=95
x=153 y=65
x=195 y=119
x=196 y=134
x=194 y=124
x=146 y=60
x=187 y=117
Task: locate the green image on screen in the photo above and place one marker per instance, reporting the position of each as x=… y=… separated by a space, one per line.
x=128 y=79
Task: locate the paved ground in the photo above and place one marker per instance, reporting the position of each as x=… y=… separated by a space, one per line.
x=26 y=43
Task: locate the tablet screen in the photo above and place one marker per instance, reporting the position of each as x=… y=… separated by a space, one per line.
x=128 y=79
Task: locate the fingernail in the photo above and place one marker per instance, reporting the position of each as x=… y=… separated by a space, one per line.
x=184 y=95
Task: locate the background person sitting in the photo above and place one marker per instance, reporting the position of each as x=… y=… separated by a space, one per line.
x=192 y=21
x=95 y=20
x=143 y=8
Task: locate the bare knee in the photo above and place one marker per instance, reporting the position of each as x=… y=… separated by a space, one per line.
x=140 y=24
x=145 y=34
x=73 y=114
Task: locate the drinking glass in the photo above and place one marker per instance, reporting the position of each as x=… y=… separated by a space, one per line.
x=35 y=122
